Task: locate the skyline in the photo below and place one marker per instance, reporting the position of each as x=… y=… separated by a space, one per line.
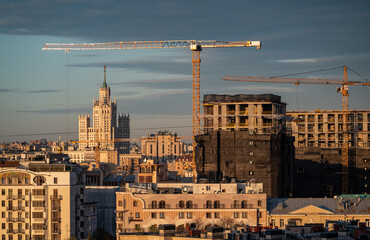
x=154 y=86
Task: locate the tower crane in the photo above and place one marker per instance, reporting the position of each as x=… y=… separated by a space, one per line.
x=195 y=45
x=343 y=89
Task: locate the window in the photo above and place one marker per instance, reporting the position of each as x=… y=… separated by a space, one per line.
x=236 y=204
x=120 y=203
x=189 y=204
x=236 y=215
x=137 y=215
x=3 y=214
x=55 y=180
x=259 y=203
x=134 y=203
x=2 y=191
x=154 y=215
x=3 y=226
x=181 y=204
x=216 y=204
x=161 y=215
x=244 y=215
x=208 y=215
x=154 y=204
x=181 y=215
x=217 y=215
x=282 y=223
x=189 y=215
x=162 y=204
x=209 y=204
x=273 y=223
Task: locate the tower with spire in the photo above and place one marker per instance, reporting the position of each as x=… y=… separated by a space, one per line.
x=105 y=126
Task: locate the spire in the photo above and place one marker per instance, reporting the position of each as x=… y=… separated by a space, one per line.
x=105 y=79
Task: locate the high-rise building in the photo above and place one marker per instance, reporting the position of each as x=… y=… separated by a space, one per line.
x=45 y=201
x=104 y=129
x=245 y=139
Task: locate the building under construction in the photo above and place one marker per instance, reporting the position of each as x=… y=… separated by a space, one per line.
x=245 y=139
x=318 y=140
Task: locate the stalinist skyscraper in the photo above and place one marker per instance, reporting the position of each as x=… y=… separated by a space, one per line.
x=104 y=126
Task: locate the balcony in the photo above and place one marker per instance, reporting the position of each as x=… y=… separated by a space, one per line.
x=38 y=220
x=56 y=197
x=243 y=124
x=56 y=231
x=20 y=231
x=55 y=208
x=38 y=231
x=38 y=196
x=56 y=219
x=13 y=231
x=230 y=125
x=11 y=219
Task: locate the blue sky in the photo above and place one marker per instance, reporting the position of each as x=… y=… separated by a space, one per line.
x=43 y=91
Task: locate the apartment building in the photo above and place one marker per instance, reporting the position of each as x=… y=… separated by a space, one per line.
x=263 y=113
x=184 y=166
x=147 y=211
x=324 y=128
x=162 y=146
x=45 y=201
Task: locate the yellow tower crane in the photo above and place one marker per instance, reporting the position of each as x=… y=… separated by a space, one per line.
x=195 y=45
x=344 y=90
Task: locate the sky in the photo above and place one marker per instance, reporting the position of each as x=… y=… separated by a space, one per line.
x=42 y=92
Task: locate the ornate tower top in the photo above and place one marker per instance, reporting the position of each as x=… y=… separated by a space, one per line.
x=105 y=79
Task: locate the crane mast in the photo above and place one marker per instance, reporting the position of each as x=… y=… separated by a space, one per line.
x=344 y=90
x=195 y=45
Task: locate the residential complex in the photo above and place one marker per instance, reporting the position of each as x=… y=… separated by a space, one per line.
x=162 y=146
x=104 y=129
x=262 y=113
x=143 y=211
x=324 y=128
x=45 y=201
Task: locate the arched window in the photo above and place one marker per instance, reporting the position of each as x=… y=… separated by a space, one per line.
x=209 y=204
x=236 y=204
x=181 y=204
x=189 y=204
x=162 y=204
x=216 y=204
x=154 y=204
x=244 y=204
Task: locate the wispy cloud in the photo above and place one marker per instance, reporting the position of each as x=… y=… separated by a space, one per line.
x=56 y=110
x=43 y=91
x=6 y=90
x=300 y=60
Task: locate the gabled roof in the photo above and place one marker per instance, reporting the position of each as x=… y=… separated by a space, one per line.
x=311 y=209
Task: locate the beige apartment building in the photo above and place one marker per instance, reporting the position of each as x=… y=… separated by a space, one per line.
x=263 y=113
x=324 y=128
x=104 y=128
x=162 y=146
x=136 y=211
x=45 y=201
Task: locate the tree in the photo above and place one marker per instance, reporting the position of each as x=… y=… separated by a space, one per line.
x=226 y=222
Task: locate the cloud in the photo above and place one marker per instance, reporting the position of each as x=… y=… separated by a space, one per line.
x=43 y=91
x=149 y=65
x=6 y=90
x=301 y=60
x=57 y=111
